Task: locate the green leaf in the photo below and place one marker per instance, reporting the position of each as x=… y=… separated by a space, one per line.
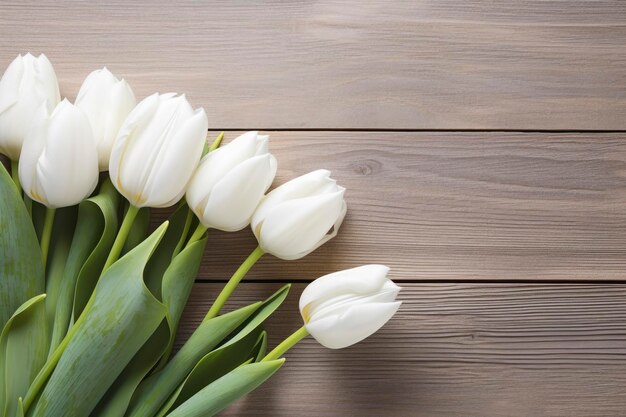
x=60 y=243
x=103 y=230
x=212 y=366
x=220 y=394
x=225 y=358
x=163 y=255
x=23 y=347
x=157 y=388
x=93 y=237
x=116 y=324
x=176 y=281
x=264 y=312
x=21 y=266
x=176 y=287
x=261 y=347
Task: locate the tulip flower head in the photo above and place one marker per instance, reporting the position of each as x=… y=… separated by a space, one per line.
x=345 y=307
x=106 y=102
x=231 y=181
x=27 y=83
x=299 y=216
x=157 y=150
x=58 y=166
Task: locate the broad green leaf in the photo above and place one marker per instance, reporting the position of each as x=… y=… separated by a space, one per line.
x=212 y=366
x=21 y=267
x=60 y=243
x=157 y=388
x=163 y=255
x=218 y=362
x=176 y=287
x=176 y=281
x=116 y=400
x=121 y=317
x=103 y=213
x=23 y=346
x=220 y=394
x=95 y=231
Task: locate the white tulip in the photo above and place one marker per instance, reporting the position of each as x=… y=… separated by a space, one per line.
x=26 y=84
x=299 y=216
x=157 y=150
x=106 y=101
x=345 y=307
x=59 y=162
x=230 y=182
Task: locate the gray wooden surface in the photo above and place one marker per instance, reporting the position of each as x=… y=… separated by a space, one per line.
x=483 y=144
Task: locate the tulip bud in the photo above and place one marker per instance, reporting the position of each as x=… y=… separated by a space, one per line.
x=230 y=182
x=345 y=307
x=157 y=150
x=299 y=216
x=106 y=101
x=59 y=161
x=26 y=84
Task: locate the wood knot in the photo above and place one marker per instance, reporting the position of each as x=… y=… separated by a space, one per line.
x=366 y=167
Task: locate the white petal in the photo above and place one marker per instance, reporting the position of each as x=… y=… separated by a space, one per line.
x=177 y=160
x=67 y=168
x=234 y=199
x=125 y=161
x=355 y=324
x=366 y=279
x=313 y=183
x=27 y=83
x=296 y=226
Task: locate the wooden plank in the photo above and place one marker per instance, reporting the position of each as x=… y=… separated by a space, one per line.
x=457 y=206
x=454 y=350
x=347 y=64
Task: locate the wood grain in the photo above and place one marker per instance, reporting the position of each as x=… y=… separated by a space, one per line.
x=456 y=206
x=442 y=64
x=453 y=350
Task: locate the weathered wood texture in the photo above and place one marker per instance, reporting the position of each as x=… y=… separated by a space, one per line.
x=457 y=206
x=411 y=64
x=488 y=350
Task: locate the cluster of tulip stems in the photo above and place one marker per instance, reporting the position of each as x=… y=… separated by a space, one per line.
x=90 y=300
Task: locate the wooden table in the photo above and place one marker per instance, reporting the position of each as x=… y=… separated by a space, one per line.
x=483 y=145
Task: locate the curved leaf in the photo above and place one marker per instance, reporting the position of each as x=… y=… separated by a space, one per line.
x=116 y=324
x=60 y=244
x=99 y=226
x=157 y=388
x=21 y=267
x=93 y=237
x=176 y=282
x=261 y=347
x=220 y=394
x=212 y=366
x=176 y=287
x=23 y=347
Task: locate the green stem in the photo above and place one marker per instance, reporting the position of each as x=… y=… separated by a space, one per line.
x=286 y=344
x=120 y=239
x=46 y=233
x=232 y=283
x=16 y=176
x=186 y=227
x=197 y=234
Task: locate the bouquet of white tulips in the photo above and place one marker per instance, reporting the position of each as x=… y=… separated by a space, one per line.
x=90 y=300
